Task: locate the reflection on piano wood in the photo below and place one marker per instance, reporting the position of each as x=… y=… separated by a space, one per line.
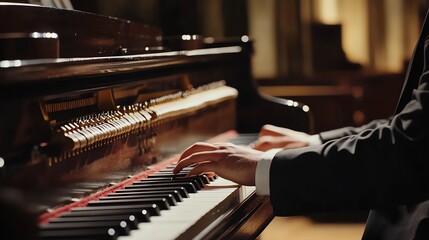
x=88 y=138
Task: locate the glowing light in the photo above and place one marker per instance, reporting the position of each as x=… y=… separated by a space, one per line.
x=305 y=108
x=186 y=37
x=111 y=231
x=295 y=104
x=5 y=64
x=1 y=162
x=123 y=224
x=10 y=63
x=17 y=63
x=43 y=35
x=244 y=38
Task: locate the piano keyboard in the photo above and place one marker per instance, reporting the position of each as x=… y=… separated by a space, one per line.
x=162 y=206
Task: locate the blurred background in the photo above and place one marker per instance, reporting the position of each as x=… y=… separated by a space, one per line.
x=345 y=59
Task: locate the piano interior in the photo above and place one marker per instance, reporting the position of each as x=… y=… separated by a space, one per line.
x=96 y=112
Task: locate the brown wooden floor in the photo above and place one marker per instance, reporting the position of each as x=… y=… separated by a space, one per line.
x=304 y=228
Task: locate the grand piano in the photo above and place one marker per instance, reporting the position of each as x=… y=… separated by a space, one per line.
x=95 y=111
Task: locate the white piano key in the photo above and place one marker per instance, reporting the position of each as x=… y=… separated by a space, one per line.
x=202 y=208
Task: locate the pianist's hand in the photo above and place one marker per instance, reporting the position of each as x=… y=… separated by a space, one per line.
x=277 y=137
x=236 y=163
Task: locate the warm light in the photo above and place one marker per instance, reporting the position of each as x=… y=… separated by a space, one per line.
x=327 y=11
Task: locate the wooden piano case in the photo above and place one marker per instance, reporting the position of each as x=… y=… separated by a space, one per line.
x=112 y=101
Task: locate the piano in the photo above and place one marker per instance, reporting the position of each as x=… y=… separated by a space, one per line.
x=95 y=111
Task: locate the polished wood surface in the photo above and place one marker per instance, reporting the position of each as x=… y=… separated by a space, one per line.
x=303 y=228
x=81 y=34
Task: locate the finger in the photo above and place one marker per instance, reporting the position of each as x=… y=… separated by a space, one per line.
x=197 y=147
x=198 y=157
x=260 y=146
x=268 y=142
x=295 y=145
x=210 y=174
x=224 y=145
x=204 y=167
x=270 y=130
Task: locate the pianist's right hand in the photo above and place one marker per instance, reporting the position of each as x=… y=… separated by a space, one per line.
x=236 y=163
x=277 y=137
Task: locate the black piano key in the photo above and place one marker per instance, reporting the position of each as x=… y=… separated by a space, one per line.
x=167 y=174
x=173 y=175
x=170 y=198
x=141 y=215
x=204 y=178
x=213 y=177
x=182 y=191
x=153 y=209
x=176 y=194
x=80 y=234
x=201 y=179
x=195 y=183
x=184 y=171
x=131 y=220
x=162 y=203
x=190 y=188
x=121 y=227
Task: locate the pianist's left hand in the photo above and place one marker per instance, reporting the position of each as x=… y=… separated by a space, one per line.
x=272 y=136
x=236 y=163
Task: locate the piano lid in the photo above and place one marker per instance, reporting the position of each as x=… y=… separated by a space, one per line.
x=80 y=34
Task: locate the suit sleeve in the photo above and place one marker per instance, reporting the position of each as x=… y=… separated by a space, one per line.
x=380 y=166
x=347 y=131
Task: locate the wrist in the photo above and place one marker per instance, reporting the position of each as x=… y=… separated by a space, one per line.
x=314 y=140
x=262 y=176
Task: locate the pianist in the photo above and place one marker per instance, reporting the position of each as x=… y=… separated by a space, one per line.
x=382 y=166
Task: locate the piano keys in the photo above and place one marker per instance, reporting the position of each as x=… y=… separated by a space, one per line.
x=147 y=207
x=88 y=138
x=133 y=216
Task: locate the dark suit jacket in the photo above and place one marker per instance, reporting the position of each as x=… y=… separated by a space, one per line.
x=382 y=166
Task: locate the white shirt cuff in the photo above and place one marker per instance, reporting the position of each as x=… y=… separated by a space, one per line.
x=262 y=177
x=314 y=140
